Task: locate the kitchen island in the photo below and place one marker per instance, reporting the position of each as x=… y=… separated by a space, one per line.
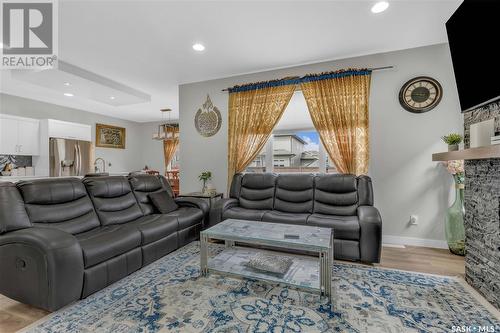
x=15 y=179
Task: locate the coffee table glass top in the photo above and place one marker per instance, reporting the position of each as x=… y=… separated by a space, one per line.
x=267 y=233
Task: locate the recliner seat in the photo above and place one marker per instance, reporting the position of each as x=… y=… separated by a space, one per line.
x=341 y=202
x=64 y=239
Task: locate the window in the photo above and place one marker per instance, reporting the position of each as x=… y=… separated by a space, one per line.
x=174 y=163
x=295 y=145
x=296 y=151
x=259 y=163
x=278 y=163
x=330 y=167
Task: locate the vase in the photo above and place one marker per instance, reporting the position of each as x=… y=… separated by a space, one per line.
x=453 y=147
x=208 y=187
x=454 y=223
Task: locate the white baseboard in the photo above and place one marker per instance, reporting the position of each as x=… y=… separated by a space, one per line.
x=412 y=241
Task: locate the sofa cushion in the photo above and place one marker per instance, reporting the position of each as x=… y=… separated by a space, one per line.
x=344 y=227
x=143 y=185
x=163 y=202
x=61 y=203
x=187 y=216
x=103 y=243
x=283 y=217
x=240 y=213
x=154 y=227
x=257 y=191
x=113 y=199
x=335 y=194
x=365 y=191
x=13 y=215
x=235 y=189
x=294 y=193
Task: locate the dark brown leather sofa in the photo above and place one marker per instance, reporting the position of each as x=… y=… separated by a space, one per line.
x=341 y=202
x=64 y=239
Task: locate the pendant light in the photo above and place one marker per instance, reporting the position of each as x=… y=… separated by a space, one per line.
x=167 y=130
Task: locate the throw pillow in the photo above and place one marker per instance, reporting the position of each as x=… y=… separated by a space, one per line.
x=163 y=202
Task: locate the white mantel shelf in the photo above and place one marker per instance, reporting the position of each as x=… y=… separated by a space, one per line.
x=479 y=153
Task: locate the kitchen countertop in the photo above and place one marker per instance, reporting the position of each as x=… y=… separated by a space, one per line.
x=15 y=179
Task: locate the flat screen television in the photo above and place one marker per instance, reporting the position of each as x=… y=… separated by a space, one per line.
x=473 y=34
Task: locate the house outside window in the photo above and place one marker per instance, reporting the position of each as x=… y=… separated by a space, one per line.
x=296 y=151
x=294 y=146
x=259 y=163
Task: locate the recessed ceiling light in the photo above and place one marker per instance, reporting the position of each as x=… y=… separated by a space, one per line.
x=379 y=7
x=111 y=97
x=68 y=94
x=67 y=84
x=198 y=47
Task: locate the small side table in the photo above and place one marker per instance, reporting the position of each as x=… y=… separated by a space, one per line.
x=209 y=197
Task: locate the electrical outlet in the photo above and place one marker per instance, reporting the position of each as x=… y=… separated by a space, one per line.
x=414 y=219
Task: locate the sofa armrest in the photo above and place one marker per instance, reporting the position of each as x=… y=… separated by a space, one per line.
x=42 y=267
x=370 y=241
x=195 y=203
x=219 y=208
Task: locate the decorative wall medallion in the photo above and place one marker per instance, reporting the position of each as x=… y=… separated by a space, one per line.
x=208 y=119
x=420 y=94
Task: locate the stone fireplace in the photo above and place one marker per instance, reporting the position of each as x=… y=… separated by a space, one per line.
x=482 y=213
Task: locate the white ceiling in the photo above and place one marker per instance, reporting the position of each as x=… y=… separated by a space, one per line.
x=146 y=45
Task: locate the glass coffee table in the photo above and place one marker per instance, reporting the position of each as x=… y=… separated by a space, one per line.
x=306 y=272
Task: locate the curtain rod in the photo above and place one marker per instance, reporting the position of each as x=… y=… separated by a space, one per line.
x=371 y=69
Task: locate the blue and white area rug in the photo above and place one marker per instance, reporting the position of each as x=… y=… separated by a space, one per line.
x=168 y=296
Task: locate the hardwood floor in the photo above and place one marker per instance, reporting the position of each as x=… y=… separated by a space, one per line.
x=423 y=259
x=14 y=315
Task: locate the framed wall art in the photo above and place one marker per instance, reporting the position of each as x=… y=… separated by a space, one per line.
x=108 y=136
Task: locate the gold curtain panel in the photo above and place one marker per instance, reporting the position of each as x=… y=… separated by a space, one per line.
x=169 y=148
x=252 y=116
x=339 y=111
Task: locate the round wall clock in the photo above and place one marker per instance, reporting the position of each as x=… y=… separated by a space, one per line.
x=420 y=94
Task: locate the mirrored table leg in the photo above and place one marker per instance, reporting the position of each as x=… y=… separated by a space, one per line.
x=203 y=255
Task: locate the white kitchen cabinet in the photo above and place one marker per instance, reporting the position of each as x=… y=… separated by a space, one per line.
x=67 y=130
x=19 y=136
x=8 y=136
x=29 y=137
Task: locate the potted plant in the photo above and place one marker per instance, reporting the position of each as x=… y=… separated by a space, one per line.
x=452 y=140
x=206 y=177
x=454 y=221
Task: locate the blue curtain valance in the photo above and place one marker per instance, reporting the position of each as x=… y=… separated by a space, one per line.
x=298 y=80
x=335 y=75
x=265 y=84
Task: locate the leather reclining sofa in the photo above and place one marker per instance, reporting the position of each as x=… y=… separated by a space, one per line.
x=64 y=239
x=341 y=202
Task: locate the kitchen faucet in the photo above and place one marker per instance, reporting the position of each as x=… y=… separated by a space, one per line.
x=96 y=169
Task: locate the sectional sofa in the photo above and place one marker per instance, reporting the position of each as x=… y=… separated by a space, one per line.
x=341 y=202
x=64 y=239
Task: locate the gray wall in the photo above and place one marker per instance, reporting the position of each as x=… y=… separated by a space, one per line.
x=152 y=150
x=140 y=149
x=405 y=179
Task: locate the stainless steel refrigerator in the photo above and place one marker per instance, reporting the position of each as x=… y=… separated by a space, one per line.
x=69 y=157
